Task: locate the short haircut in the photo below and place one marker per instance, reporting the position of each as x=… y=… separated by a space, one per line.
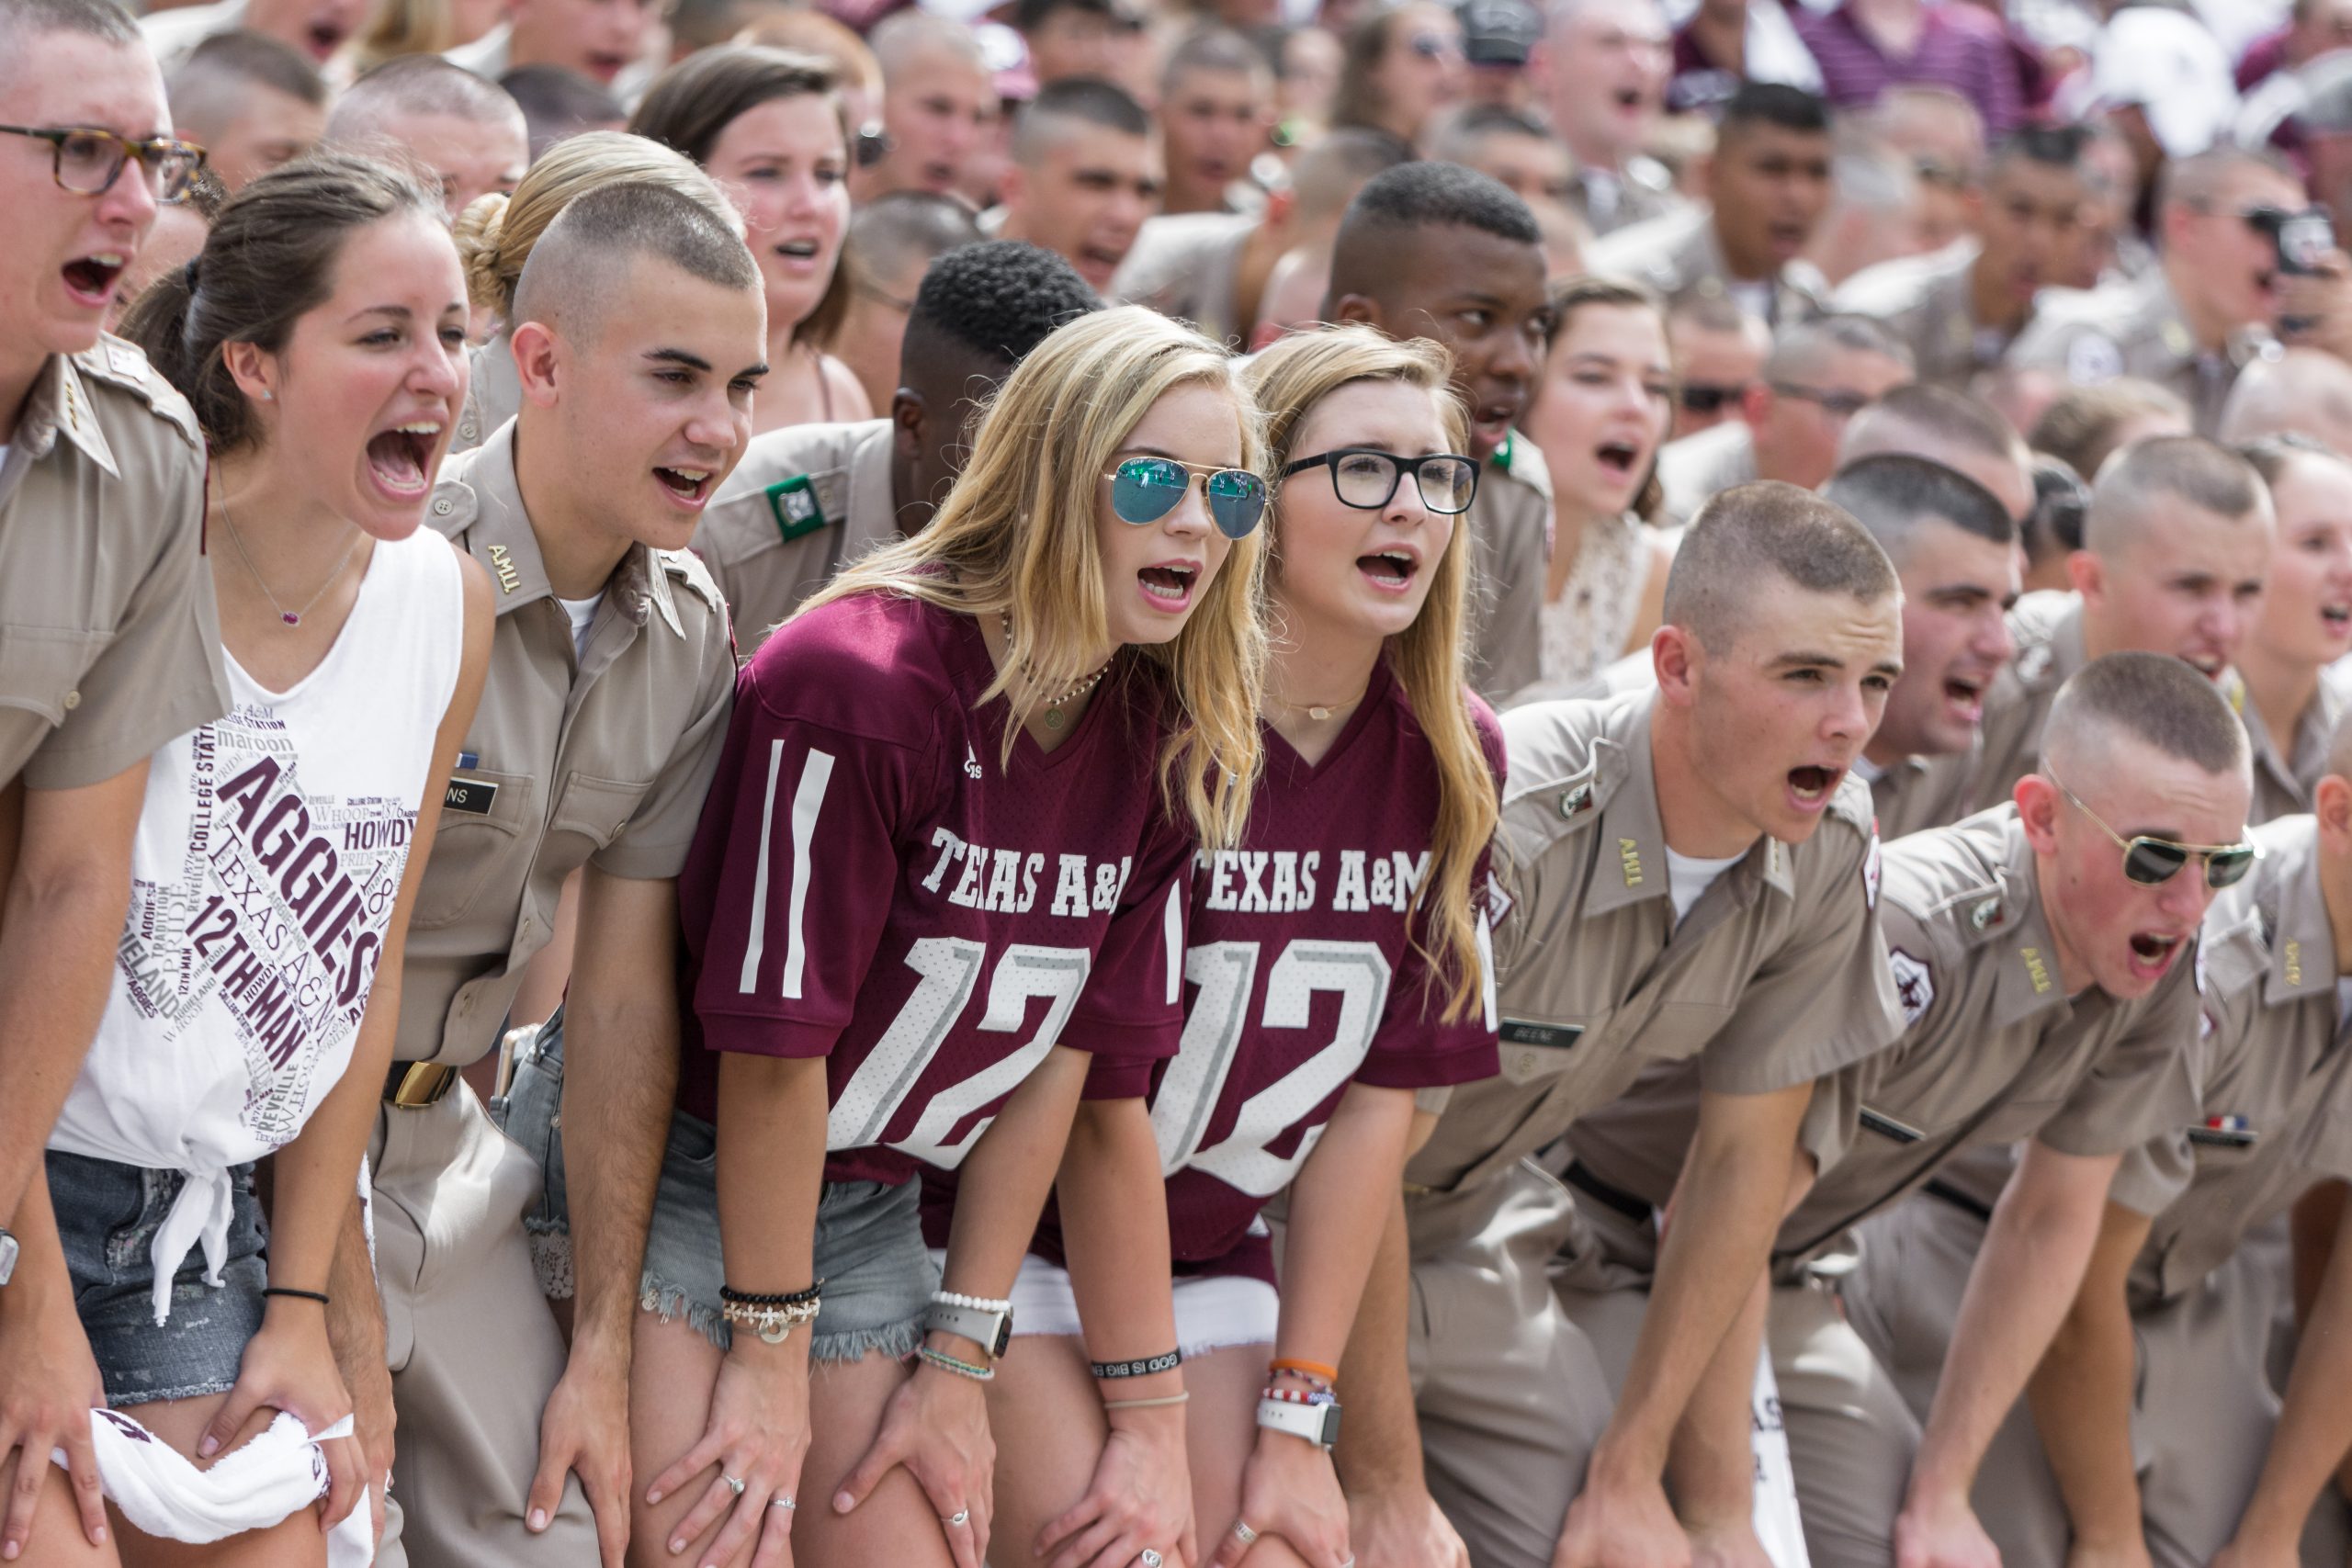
x=903 y=37
x=2061 y=501
x=1080 y=100
x=417 y=84
x=1922 y=413
x=1399 y=202
x=1870 y=176
x=1213 y=48
x=2200 y=181
x=557 y=101
x=2304 y=390
x=1715 y=314
x=1805 y=348
x=213 y=86
x=2052 y=146
x=2084 y=425
x=1776 y=104
x=1752 y=532
x=892 y=232
x=1332 y=168
x=997 y=299
x=1458 y=134
x=1893 y=495
x=2154 y=698
x=23 y=20
x=581 y=259
x=2189 y=469
x=2272 y=455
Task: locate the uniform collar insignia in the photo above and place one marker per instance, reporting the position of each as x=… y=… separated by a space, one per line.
x=59 y=405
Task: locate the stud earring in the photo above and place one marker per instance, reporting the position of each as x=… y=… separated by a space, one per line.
x=268 y=396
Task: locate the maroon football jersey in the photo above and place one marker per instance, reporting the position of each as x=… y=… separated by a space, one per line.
x=1301 y=978
x=871 y=885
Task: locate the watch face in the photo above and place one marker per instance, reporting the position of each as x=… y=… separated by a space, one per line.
x=1331 y=1425
x=1003 y=1337
x=8 y=1256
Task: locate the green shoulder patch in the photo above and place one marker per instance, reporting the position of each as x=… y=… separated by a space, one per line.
x=794 y=503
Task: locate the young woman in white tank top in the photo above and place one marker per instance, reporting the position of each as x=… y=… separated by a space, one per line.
x=321 y=338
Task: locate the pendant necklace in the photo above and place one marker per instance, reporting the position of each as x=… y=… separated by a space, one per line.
x=290 y=617
x=1054 y=718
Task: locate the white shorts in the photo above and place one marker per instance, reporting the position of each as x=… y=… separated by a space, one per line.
x=1214 y=1312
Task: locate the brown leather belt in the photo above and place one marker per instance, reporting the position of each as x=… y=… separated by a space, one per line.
x=412 y=1086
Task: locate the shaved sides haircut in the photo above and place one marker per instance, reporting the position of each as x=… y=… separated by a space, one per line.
x=1325 y=175
x=2154 y=698
x=21 y=21
x=892 y=232
x=904 y=37
x=1806 y=348
x=2201 y=182
x=585 y=256
x=2304 y=391
x=1400 y=204
x=2084 y=425
x=1921 y=413
x=214 y=83
x=1895 y=495
x=419 y=84
x=1751 y=531
x=1074 y=101
x=2186 y=468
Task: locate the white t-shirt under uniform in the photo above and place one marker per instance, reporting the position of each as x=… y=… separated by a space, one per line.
x=268 y=856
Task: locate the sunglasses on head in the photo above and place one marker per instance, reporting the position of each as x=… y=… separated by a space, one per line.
x=1699 y=397
x=1145 y=489
x=2152 y=862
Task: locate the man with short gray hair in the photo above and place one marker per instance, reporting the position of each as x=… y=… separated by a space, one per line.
x=462 y=133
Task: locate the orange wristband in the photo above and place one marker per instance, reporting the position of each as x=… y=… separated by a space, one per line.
x=1307 y=1369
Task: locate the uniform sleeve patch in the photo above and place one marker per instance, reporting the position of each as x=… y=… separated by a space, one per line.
x=2092 y=358
x=1914 y=984
x=794 y=503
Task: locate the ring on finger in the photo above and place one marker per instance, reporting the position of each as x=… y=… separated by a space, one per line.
x=1243 y=1533
x=960 y=1516
x=782 y=1500
x=1149 y=1557
x=733 y=1485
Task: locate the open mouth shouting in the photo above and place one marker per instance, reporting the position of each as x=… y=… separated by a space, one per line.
x=1617 y=459
x=2336 y=619
x=801 y=252
x=2153 y=953
x=604 y=65
x=689 y=487
x=1810 y=788
x=1168 y=584
x=91 y=279
x=1965 y=695
x=1390 y=571
x=321 y=40
x=401 y=460
x=2210 y=665
x=1491 y=421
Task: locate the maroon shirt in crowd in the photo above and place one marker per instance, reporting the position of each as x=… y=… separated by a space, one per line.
x=871 y=885
x=1962 y=48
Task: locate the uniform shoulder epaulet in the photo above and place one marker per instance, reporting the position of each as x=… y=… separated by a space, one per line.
x=115 y=363
x=685 y=565
x=1851 y=804
x=1558 y=778
x=1524 y=461
x=454 y=505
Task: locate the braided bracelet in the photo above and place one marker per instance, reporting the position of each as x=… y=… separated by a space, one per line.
x=1166 y=1361
x=727 y=1293
x=947 y=1363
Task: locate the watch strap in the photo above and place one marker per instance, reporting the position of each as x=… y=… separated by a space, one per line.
x=991 y=1331
x=1319 y=1424
x=7 y=1255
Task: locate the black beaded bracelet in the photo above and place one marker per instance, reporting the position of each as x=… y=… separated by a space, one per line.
x=1168 y=1361
x=789 y=1298
x=318 y=1296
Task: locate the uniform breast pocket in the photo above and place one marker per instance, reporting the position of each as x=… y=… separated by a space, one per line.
x=2018 y=1119
x=488 y=826
x=42 y=666
x=1681 y=1028
x=596 y=809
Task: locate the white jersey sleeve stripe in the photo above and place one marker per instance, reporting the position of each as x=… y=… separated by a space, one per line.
x=1487 y=969
x=1172 y=925
x=750 y=979
x=807 y=801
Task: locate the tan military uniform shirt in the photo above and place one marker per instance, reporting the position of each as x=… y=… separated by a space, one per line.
x=1776 y=977
x=2277 y=1111
x=1607 y=202
x=110 y=641
x=1511 y=540
x=805 y=501
x=1924 y=302
x=2047 y=628
x=2136 y=329
x=602 y=757
x=493 y=393
x=1695 y=469
x=2283 y=781
x=1676 y=256
x=1994 y=1050
x=1918 y=793
x=1186 y=266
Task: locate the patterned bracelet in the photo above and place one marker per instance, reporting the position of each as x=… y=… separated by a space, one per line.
x=947 y=1363
x=1299 y=1396
x=773 y=1324
x=1166 y=1361
x=978 y=1304
x=727 y=1293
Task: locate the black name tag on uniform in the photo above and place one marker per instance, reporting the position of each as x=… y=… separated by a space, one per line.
x=1888 y=1127
x=1552 y=1036
x=470 y=796
x=2224 y=1137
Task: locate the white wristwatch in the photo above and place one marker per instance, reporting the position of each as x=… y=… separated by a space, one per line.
x=990 y=1330
x=8 y=1256
x=1319 y=1424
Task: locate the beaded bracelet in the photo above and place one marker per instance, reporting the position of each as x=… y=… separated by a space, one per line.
x=978 y=1304
x=1299 y=1396
x=947 y=1363
x=1166 y=1361
x=789 y=1298
x=774 y=1324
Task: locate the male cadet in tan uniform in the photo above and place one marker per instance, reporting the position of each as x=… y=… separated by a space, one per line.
x=1603 y=65
x=807 y=499
x=640 y=339
x=1959 y=309
x=1749 y=948
x=2049 y=996
x=1438 y=251
x=2154 y=1395
x=2208 y=307
x=108 y=643
x=1767 y=187
x=2175 y=547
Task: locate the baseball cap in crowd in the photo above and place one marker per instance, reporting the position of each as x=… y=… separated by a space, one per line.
x=1499 y=32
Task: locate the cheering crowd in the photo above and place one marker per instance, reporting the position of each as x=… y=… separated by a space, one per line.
x=868 y=784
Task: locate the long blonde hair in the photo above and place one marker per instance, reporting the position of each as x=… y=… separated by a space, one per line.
x=1016 y=536
x=495 y=233
x=1288 y=380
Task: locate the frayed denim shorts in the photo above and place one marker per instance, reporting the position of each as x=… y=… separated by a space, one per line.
x=108 y=1214
x=869 y=1250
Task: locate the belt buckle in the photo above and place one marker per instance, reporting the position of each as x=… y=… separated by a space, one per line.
x=414 y=1086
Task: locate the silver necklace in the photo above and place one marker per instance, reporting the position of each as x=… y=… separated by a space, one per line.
x=290 y=617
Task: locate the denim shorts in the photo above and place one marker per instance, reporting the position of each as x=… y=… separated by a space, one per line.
x=108 y=1215
x=869 y=1250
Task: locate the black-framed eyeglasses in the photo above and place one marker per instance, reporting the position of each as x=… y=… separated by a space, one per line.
x=87 y=161
x=1703 y=397
x=1366 y=478
x=2152 y=862
x=1831 y=401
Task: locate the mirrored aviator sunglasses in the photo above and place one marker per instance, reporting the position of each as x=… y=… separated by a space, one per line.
x=1145 y=489
x=2153 y=862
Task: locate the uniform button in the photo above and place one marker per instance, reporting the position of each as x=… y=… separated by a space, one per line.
x=468 y=429
x=441 y=508
x=1527 y=1063
x=72 y=701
